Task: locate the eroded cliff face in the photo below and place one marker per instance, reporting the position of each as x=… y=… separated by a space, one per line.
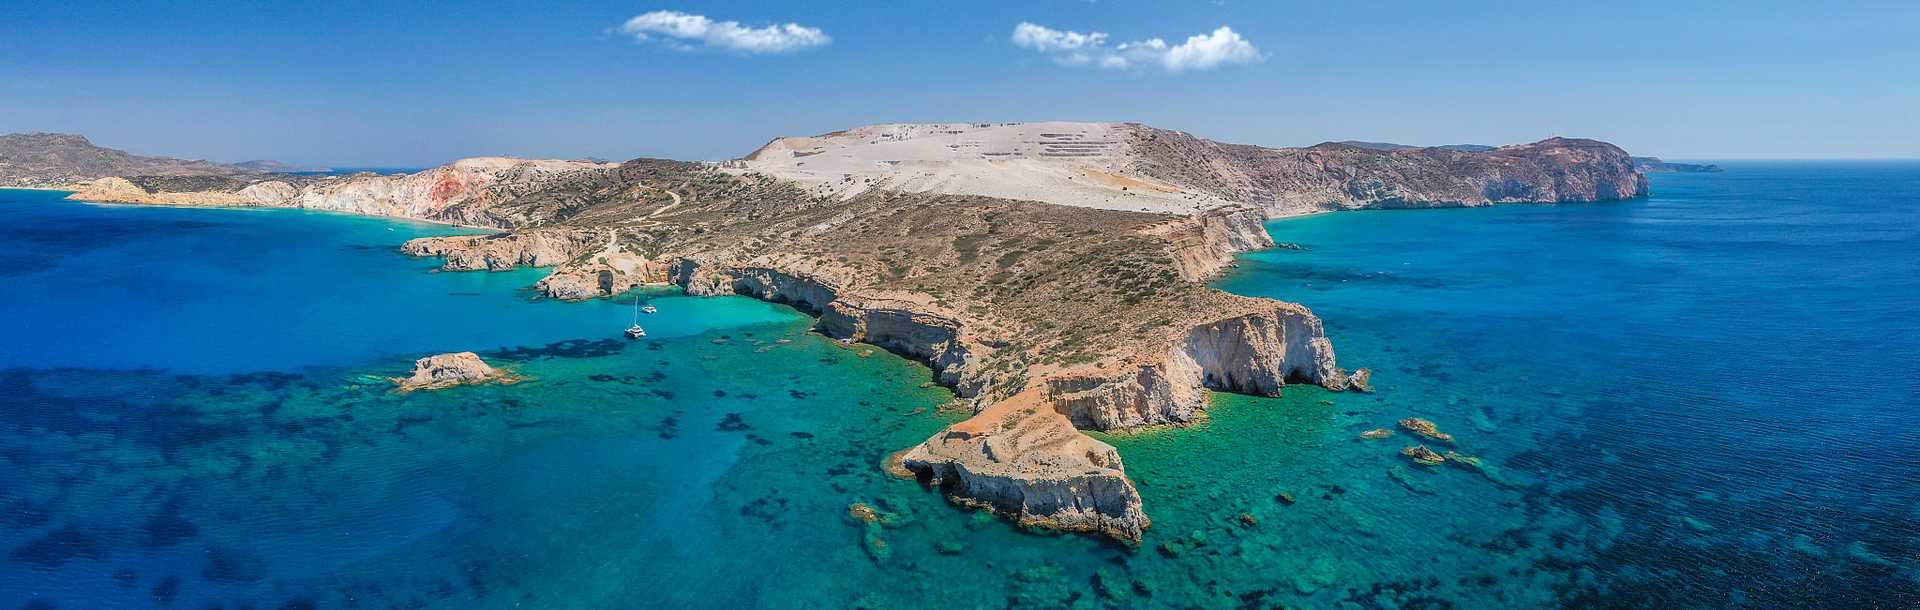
x=1204 y=244
x=903 y=327
x=505 y=251
x=1269 y=345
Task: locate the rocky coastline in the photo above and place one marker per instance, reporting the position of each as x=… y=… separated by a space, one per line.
x=1045 y=319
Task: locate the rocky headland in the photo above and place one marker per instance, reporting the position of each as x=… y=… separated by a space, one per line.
x=1047 y=313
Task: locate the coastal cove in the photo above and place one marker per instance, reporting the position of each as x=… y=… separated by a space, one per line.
x=268 y=468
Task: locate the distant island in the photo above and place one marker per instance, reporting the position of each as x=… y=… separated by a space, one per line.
x=1052 y=274
x=1654 y=164
x=43 y=159
x=1644 y=164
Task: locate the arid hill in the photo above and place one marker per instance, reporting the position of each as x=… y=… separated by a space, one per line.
x=1126 y=166
x=51 y=159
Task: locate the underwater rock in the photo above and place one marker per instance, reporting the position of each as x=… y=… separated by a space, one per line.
x=1111 y=585
x=1423 y=456
x=232 y=566
x=1425 y=428
x=1858 y=551
x=859 y=511
x=1249 y=519
x=1405 y=479
x=877 y=548
x=1463 y=460
x=1284 y=498
x=448 y=370
x=1376 y=433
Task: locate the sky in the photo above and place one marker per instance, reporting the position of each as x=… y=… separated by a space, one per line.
x=412 y=84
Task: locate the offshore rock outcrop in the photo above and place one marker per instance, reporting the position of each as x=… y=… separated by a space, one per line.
x=1022 y=460
x=448 y=370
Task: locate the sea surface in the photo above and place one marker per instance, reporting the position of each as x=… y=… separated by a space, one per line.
x=1706 y=398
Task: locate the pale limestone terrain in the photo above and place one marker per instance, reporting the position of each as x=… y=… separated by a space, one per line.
x=1078 y=164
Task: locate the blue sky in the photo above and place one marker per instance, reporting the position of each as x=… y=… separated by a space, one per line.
x=423 y=83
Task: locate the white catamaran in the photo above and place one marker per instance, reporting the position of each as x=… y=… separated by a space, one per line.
x=635 y=331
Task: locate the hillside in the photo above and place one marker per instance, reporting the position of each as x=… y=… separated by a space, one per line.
x=50 y=159
x=1126 y=166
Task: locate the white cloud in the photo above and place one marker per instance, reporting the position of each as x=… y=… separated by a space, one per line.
x=684 y=31
x=1199 y=52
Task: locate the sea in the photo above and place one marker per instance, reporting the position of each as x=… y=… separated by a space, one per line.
x=1706 y=398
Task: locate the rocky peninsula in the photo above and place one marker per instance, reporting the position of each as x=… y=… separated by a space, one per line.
x=1013 y=259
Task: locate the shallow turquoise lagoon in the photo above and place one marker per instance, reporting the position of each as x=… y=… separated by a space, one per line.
x=1704 y=399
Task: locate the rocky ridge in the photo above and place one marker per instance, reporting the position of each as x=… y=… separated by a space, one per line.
x=1127 y=166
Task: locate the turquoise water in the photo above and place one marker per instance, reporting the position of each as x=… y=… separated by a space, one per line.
x=1703 y=399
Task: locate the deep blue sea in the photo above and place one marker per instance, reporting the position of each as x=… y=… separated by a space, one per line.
x=1707 y=398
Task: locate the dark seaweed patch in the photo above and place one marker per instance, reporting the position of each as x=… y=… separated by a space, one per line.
x=57 y=548
x=166 y=590
x=733 y=423
x=232 y=565
x=167 y=527
x=24 y=514
x=572 y=348
x=768 y=509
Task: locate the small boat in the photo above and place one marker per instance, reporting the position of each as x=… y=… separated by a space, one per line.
x=648 y=309
x=635 y=331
